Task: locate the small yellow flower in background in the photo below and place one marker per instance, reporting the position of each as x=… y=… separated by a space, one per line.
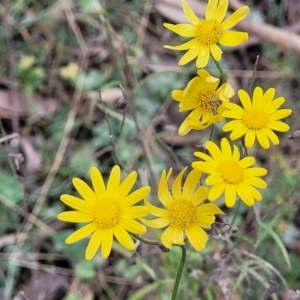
x=108 y=210
x=183 y=213
x=26 y=62
x=70 y=71
x=257 y=118
x=204 y=96
x=229 y=174
x=208 y=33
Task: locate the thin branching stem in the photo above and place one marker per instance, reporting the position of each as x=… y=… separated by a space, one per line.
x=179 y=272
x=223 y=76
x=145 y=241
x=254 y=74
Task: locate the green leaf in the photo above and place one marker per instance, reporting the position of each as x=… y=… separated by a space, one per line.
x=72 y=296
x=278 y=241
x=10 y=188
x=86 y=269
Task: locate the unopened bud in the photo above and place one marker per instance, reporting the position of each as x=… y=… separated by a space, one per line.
x=121 y=103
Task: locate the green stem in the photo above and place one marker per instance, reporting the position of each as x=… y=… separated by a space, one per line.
x=145 y=241
x=179 y=272
x=221 y=71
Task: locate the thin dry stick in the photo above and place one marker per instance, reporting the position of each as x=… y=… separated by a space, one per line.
x=269 y=266
x=254 y=74
x=144 y=22
x=130 y=81
x=44 y=227
x=58 y=158
x=110 y=133
x=67 y=130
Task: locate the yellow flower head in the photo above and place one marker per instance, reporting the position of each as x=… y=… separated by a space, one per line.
x=183 y=213
x=208 y=33
x=258 y=118
x=203 y=96
x=108 y=210
x=230 y=175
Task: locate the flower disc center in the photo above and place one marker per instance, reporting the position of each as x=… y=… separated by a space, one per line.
x=208 y=32
x=231 y=172
x=207 y=100
x=107 y=213
x=182 y=213
x=255 y=118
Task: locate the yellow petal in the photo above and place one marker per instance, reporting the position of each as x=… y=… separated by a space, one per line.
x=221 y=11
x=190 y=15
x=74 y=217
x=238 y=132
x=233 y=38
x=113 y=181
x=250 y=138
x=163 y=191
x=203 y=56
x=216 y=191
x=157 y=223
x=216 y=52
x=255 y=181
x=204 y=167
x=183 y=46
x=190 y=183
x=189 y=55
x=232 y=125
x=235 y=18
x=271 y=135
x=214 y=151
x=210 y=9
x=136 y=196
x=98 y=183
x=226 y=149
x=213 y=179
x=245 y=99
x=243 y=192
x=263 y=139
x=177 y=186
x=205 y=221
x=197 y=237
x=274 y=105
x=185 y=30
x=107 y=242
x=247 y=162
x=257 y=97
x=280 y=114
x=123 y=237
x=255 y=172
x=81 y=233
x=230 y=195
x=132 y=226
x=209 y=209
x=126 y=186
x=200 y=195
x=135 y=212
x=278 y=126
x=85 y=191
x=268 y=97
x=166 y=237
x=156 y=211
x=76 y=203
x=94 y=244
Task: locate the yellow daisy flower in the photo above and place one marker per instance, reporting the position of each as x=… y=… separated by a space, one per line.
x=229 y=174
x=183 y=213
x=108 y=210
x=203 y=96
x=258 y=118
x=208 y=33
